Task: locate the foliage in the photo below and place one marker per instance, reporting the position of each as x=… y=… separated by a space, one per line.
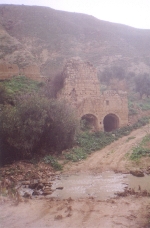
x=59 y=132
x=77 y=154
x=87 y=142
x=53 y=87
x=141 y=149
x=53 y=162
x=22 y=125
x=3 y=95
x=129 y=138
x=112 y=73
x=36 y=123
x=85 y=125
x=20 y=84
x=142 y=83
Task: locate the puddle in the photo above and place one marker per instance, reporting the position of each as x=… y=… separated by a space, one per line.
x=101 y=186
x=135 y=182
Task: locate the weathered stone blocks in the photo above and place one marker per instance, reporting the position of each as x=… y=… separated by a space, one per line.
x=82 y=90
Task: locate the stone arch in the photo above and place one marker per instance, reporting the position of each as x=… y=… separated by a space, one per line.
x=89 y=121
x=110 y=122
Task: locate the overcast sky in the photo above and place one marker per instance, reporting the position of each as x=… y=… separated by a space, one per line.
x=135 y=13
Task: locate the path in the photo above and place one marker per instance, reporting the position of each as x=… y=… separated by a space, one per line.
x=122 y=212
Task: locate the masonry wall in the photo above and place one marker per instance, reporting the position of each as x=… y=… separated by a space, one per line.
x=82 y=90
x=7 y=71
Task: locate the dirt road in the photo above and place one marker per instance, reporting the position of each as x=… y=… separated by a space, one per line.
x=120 y=212
x=113 y=157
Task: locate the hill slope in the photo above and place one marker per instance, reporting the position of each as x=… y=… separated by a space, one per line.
x=47 y=37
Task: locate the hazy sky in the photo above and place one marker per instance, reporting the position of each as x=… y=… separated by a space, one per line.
x=135 y=13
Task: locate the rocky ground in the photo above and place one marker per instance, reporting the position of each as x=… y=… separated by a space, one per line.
x=128 y=210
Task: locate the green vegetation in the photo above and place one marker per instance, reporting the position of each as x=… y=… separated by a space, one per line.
x=111 y=73
x=33 y=122
x=87 y=142
x=130 y=138
x=20 y=84
x=138 y=86
x=48 y=159
x=142 y=83
x=142 y=149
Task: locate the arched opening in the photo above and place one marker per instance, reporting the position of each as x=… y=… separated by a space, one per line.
x=89 y=122
x=111 y=122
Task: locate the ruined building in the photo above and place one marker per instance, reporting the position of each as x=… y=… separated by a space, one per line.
x=7 y=71
x=106 y=110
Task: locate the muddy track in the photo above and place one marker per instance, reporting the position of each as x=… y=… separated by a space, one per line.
x=130 y=211
x=113 y=157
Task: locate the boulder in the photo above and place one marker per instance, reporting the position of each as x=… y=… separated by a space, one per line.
x=137 y=173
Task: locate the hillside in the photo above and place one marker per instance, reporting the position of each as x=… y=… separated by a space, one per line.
x=48 y=37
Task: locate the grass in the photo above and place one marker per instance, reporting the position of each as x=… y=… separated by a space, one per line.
x=48 y=159
x=87 y=142
x=134 y=104
x=130 y=138
x=142 y=149
x=144 y=104
x=20 y=84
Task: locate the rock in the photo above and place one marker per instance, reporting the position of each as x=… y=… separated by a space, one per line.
x=27 y=195
x=58 y=217
x=34 y=184
x=60 y=188
x=137 y=173
x=7 y=173
x=25 y=182
x=44 y=181
x=48 y=185
x=8 y=182
x=40 y=186
x=35 y=193
x=47 y=191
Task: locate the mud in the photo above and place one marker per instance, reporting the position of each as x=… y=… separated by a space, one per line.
x=131 y=211
x=101 y=187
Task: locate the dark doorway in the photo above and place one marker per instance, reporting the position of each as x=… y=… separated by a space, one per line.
x=111 y=122
x=89 y=122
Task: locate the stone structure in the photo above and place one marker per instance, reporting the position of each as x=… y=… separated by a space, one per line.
x=7 y=71
x=104 y=111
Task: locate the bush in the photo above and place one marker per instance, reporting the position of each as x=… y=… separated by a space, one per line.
x=36 y=123
x=22 y=125
x=60 y=130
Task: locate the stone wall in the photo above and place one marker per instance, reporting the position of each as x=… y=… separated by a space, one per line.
x=82 y=90
x=7 y=71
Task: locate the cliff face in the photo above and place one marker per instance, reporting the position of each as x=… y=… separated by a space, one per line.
x=15 y=59
x=47 y=38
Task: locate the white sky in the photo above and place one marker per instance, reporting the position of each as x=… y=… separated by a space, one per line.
x=135 y=13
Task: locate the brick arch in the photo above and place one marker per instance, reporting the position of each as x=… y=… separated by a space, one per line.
x=111 y=122
x=90 y=120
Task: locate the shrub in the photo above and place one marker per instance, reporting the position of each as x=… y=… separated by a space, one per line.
x=60 y=130
x=22 y=125
x=37 y=123
x=53 y=87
